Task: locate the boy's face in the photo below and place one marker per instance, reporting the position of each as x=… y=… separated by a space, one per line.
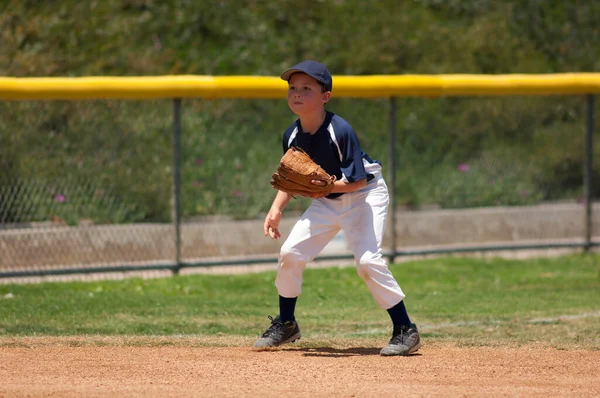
x=305 y=95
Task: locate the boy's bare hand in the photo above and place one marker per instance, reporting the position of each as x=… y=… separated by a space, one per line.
x=271 y=226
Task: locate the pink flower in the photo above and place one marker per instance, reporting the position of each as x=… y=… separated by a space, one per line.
x=60 y=198
x=237 y=194
x=463 y=167
x=198 y=161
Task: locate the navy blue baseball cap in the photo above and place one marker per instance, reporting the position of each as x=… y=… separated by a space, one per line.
x=312 y=68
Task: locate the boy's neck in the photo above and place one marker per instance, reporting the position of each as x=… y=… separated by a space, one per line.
x=311 y=123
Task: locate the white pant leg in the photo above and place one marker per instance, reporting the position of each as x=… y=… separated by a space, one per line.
x=311 y=233
x=364 y=224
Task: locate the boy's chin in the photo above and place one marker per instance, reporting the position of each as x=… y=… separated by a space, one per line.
x=297 y=111
x=302 y=111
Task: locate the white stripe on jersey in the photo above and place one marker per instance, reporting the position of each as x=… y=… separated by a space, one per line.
x=292 y=136
x=332 y=134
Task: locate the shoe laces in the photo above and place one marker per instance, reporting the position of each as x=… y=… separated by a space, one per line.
x=276 y=328
x=399 y=334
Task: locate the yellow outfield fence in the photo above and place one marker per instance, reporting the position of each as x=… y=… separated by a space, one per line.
x=374 y=86
x=92 y=187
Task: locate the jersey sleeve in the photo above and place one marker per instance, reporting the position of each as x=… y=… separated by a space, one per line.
x=353 y=168
x=284 y=144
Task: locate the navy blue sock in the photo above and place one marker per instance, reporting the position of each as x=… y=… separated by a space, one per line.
x=399 y=315
x=287 y=306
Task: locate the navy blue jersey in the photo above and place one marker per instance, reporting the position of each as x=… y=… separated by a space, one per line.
x=335 y=148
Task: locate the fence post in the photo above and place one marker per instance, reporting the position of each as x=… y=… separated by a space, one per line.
x=176 y=185
x=587 y=172
x=392 y=178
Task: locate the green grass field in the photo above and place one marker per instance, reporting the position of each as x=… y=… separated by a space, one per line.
x=469 y=301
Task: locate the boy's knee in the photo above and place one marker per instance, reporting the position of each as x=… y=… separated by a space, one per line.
x=290 y=257
x=366 y=265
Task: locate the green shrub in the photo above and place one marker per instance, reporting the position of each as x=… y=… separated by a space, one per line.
x=494 y=179
x=530 y=147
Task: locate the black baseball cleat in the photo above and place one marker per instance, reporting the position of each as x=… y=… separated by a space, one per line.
x=278 y=333
x=405 y=341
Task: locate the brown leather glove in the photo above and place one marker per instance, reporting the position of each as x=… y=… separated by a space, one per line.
x=295 y=173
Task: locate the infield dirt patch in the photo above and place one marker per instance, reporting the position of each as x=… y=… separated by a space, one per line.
x=226 y=366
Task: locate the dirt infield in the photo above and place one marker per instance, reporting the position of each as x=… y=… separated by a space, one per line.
x=171 y=367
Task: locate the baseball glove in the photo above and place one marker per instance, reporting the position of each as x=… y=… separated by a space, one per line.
x=295 y=172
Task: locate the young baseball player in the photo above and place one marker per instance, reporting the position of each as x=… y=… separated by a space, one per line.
x=358 y=205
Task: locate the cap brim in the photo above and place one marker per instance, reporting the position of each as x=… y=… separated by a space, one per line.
x=288 y=73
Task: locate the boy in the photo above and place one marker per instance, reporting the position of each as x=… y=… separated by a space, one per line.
x=358 y=205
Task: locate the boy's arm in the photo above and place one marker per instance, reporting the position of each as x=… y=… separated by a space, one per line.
x=341 y=186
x=271 y=225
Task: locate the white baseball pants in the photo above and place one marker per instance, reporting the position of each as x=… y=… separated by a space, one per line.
x=361 y=215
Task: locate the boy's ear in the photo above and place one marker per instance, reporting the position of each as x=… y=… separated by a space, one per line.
x=326 y=96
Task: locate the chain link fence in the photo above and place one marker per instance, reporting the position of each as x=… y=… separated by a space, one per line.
x=107 y=188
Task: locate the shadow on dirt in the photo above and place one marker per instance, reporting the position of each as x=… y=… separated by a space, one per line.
x=339 y=352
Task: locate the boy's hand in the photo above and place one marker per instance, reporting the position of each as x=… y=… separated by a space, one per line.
x=271 y=226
